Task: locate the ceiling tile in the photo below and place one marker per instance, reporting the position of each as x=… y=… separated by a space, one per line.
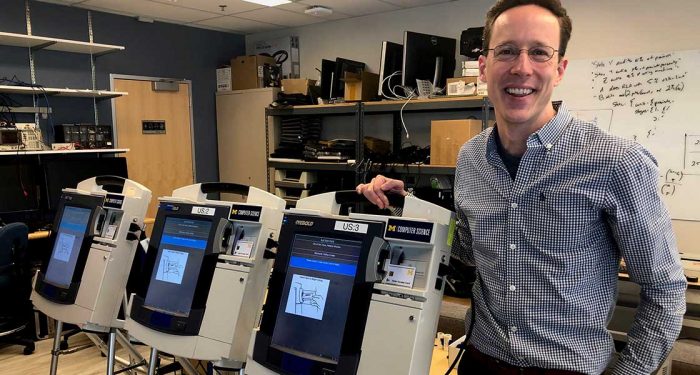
x=232 y=6
x=149 y=9
x=354 y=7
x=62 y=2
x=236 y=24
x=281 y=17
x=412 y=3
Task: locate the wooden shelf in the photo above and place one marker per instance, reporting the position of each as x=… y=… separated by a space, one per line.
x=56 y=44
x=325 y=109
x=52 y=152
x=280 y=163
x=436 y=104
x=79 y=93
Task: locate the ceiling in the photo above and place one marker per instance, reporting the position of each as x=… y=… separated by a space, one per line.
x=238 y=16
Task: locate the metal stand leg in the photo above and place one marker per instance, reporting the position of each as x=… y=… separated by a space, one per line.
x=152 y=362
x=111 y=349
x=56 y=347
x=186 y=366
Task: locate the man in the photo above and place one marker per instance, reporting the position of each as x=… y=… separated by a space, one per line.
x=547 y=204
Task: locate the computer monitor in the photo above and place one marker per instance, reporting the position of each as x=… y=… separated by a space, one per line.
x=343 y=66
x=178 y=263
x=69 y=239
x=19 y=190
x=67 y=172
x=327 y=75
x=427 y=57
x=391 y=62
x=316 y=295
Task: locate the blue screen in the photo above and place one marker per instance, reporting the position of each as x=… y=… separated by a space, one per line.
x=64 y=256
x=177 y=266
x=316 y=296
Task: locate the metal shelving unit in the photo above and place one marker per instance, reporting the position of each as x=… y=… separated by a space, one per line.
x=360 y=111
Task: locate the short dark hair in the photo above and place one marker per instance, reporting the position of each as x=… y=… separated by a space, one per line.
x=553 y=6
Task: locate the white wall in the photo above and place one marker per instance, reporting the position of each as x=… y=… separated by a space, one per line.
x=600 y=28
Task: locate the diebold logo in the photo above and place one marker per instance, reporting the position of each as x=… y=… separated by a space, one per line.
x=304 y=223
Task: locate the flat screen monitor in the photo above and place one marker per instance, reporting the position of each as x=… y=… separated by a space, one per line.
x=327 y=76
x=67 y=173
x=178 y=263
x=69 y=238
x=316 y=297
x=427 y=57
x=19 y=187
x=341 y=67
x=390 y=65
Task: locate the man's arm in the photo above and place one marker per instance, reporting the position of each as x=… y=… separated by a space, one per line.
x=642 y=228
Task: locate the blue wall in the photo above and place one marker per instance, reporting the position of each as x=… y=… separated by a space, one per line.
x=152 y=49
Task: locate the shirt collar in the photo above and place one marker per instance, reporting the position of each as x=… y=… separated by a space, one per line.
x=547 y=135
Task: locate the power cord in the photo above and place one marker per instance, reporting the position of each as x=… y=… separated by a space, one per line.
x=463 y=345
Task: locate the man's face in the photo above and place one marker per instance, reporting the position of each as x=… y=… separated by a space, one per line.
x=521 y=90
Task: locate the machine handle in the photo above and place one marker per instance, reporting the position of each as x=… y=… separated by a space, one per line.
x=351 y=196
x=224 y=187
x=112 y=184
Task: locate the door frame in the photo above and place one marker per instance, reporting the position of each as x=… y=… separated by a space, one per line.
x=113 y=76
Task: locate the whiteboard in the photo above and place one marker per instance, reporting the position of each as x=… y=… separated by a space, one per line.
x=651 y=98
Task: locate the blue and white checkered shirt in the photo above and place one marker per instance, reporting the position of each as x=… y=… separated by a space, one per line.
x=547 y=246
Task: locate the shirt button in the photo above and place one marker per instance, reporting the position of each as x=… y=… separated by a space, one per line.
x=514 y=205
x=513 y=246
x=511 y=288
x=513 y=329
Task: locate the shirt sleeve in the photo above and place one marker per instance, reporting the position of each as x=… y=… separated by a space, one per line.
x=642 y=229
x=462 y=245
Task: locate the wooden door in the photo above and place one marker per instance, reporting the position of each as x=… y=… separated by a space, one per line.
x=161 y=161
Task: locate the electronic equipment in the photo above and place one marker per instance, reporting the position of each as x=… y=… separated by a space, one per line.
x=327 y=78
x=97 y=229
x=471 y=42
x=70 y=170
x=213 y=255
x=391 y=62
x=357 y=294
x=343 y=66
x=85 y=136
x=21 y=137
x=427 y=57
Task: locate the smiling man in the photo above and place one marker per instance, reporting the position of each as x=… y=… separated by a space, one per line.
x=547 y=205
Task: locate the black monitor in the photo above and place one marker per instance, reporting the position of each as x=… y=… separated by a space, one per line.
x=19 y=190
x=68 y=172
x=427 y=57
x=391 y=62
x=171 y=296
x=318 y=297
x=60 y=276
x=70 y=235
x=327 y=75
x=343 y=66
x=178 y=263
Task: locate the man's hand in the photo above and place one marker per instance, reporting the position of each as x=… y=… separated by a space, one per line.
x=375 y=191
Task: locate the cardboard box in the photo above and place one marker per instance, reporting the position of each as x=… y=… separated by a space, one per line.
x=223 y=79
x=297 y=85
x=247 y=71
x=290 y=44
x=461 y=86
x=448 y=136
x=361 y=86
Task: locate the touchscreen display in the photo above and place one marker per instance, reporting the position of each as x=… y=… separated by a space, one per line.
x=177 y=267
x=64 y=256
x=316 y=296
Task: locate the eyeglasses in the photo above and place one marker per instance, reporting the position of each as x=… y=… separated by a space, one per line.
x=507 y=53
